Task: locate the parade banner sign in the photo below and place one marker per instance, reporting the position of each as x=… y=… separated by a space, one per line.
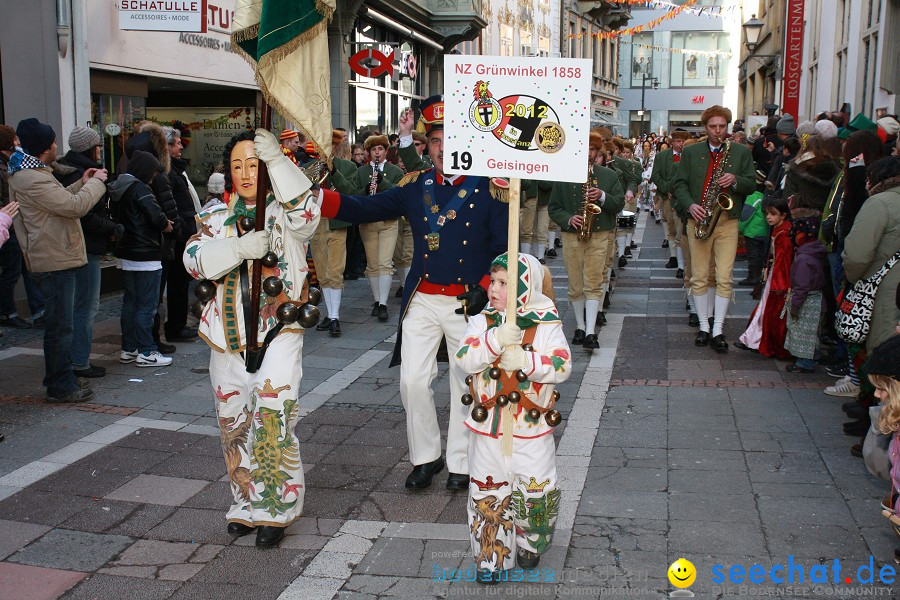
x=162 y=15
x=521 y=116
x=793 y=58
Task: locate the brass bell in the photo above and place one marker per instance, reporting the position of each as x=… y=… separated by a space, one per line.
x=528 y=348
x=315 y=296
x=555 y=396
x=494 y=373
x=270 y=260
x=467 y=399
x=197 y=308
x=534 y=414
x=272 y=286
x=469 y=379
x=287 y=312
x=479 y=414
x=514 y=396
x=502 y=399
x=247 y=224
x=521 y=376
x=205 y=290
x=553 y=418
x=309 y=315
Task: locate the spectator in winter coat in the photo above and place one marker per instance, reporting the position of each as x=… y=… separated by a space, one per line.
x=98 y=228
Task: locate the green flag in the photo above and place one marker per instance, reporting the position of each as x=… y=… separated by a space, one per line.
x=287 y=43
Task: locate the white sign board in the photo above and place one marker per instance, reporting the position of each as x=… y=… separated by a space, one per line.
x=163 y=15
x=517 y=116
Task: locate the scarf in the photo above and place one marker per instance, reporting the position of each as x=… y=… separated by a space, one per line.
x=239 y=209
x=19 y=161
x=532 y=306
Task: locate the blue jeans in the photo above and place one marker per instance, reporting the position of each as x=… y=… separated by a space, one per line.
x=12 y=265
x=138 y=309
x=58 y=288
x=87 y=303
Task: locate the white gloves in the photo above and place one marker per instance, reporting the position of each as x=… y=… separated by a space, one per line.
x=287 y=180
x=514 y=358
x=508 y=334
x=252 y=245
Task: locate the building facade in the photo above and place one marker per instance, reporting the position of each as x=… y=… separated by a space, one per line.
x=672 y=72
x=761 y=72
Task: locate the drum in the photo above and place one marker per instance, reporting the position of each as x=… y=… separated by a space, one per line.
x=626 y=220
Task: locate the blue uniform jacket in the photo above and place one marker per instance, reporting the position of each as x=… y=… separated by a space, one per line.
x=468 y=243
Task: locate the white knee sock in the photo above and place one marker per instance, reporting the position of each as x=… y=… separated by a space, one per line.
x=551 y=239
x=539 y=250
x=335 y=309
x=628 y=238
x=721 y=313
x=373 y=283
x=384 y=288
x=701 y=303
x=404 y=273
x=692 y=302
x=326 y=294
x=711 y=299
x=620 y=245
x=679 y=254
x=673 y=251
x=525 y=248
x=591 y=308
x=578 y=309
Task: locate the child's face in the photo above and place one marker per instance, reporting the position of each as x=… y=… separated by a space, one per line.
x=773 y=217
x=881 y=394
x=497 y=290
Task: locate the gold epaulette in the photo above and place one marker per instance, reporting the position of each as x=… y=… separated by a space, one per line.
x=410 y=177
x=499 y=189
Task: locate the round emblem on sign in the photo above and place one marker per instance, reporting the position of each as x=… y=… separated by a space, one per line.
x=484 y=112
x=550 y=137
x=113 y=129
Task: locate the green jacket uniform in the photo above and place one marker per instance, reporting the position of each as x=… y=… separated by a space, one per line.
x=691 y=175
x=392 y=175
x=631 y=173
x=343 y=179
x=566 y=198
x=537 y=188
x=663 y=174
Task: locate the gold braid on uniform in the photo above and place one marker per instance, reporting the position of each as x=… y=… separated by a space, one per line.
x=410 y=177
x=499 y=189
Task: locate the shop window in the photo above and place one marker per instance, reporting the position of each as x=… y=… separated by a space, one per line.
x=699 y=69
x=544 y=46
x=115 y=117
x=506 y=40
x=688 y=120
x=641 y=58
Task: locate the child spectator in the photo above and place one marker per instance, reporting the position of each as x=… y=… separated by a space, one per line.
x=512 y=457
x=755 y=230
x=767 y=330
x=6 y=216
x=807 y=281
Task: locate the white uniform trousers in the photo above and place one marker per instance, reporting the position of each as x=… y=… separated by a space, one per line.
x=257 y=414
x=517 y=507
x=428 y=318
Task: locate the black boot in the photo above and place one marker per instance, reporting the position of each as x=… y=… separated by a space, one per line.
x=324 y=324
x=268 y=535
x=235 y=528
x=421 y=475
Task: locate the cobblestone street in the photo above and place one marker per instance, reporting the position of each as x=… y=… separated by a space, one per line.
x=666 y=450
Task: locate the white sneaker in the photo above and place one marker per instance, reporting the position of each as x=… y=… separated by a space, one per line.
x=843 y=388
x=154 y=359
x=126 y=357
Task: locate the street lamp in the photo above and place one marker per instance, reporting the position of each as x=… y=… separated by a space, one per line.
x=644 y=78
x=752 y=30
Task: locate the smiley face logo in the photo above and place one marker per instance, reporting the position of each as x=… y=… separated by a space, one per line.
x=682 y=573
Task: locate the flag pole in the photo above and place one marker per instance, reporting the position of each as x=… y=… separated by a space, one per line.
x=262 y=190
x=512 y=249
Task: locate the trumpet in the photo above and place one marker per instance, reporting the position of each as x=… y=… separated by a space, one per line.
x=589 y=210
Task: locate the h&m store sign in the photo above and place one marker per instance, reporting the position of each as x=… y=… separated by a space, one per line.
x=187 y=16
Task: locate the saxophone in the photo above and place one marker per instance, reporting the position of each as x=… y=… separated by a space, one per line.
x=715 y=201
x=589 y=210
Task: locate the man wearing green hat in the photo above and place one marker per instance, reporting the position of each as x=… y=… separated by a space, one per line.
x=859 y=123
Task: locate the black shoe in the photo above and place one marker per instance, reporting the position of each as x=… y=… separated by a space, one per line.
x=702 y=338
x=382 y=313
x=628 y=252
x=606 y=301
x=458 y=481
x=78 y=395
x=557 y=242
x=165 y=348
x=748 y=282
x=612 y=274
x=399 y=292
x=92 y=372
x=16 y=322
x=590 y=342
x=268 y=535
x=633 y=246
x=185 y=335
x=335 y=328
x=657 y=221
x=235 y=528
x=742 y=346
x=857 y=428
x=665 y=244
x=375 y=309
x=622 y=261
x=795 y=368
x=679 y=274
x=527 y=560
x=422 y=474
x=601 y=319
x=719 y=344
x=673 y=263
x=578 y=338
x=550 y=253
x=693 y=320
x=324 y=324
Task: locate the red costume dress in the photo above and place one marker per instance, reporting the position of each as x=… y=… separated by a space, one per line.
x=768 y=328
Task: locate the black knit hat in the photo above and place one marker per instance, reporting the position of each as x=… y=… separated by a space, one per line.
x=885 y=359
x=35 y=137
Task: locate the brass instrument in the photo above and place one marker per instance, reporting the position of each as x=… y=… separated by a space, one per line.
x=715 y=201
x=373 y=181
x=589 y=210
x=316 y=171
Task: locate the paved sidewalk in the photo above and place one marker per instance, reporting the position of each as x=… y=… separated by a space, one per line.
x=666 y=451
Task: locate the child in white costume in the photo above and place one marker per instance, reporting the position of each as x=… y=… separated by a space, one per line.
x=513 y=495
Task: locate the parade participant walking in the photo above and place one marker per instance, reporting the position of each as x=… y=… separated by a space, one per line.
x=257 y=411
x=512 y=457
x=47 y=227
x=664 y=167
x=459 y=226
x=586 y=246
x=379 y=238
x=705 y=171
x=290 y=145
